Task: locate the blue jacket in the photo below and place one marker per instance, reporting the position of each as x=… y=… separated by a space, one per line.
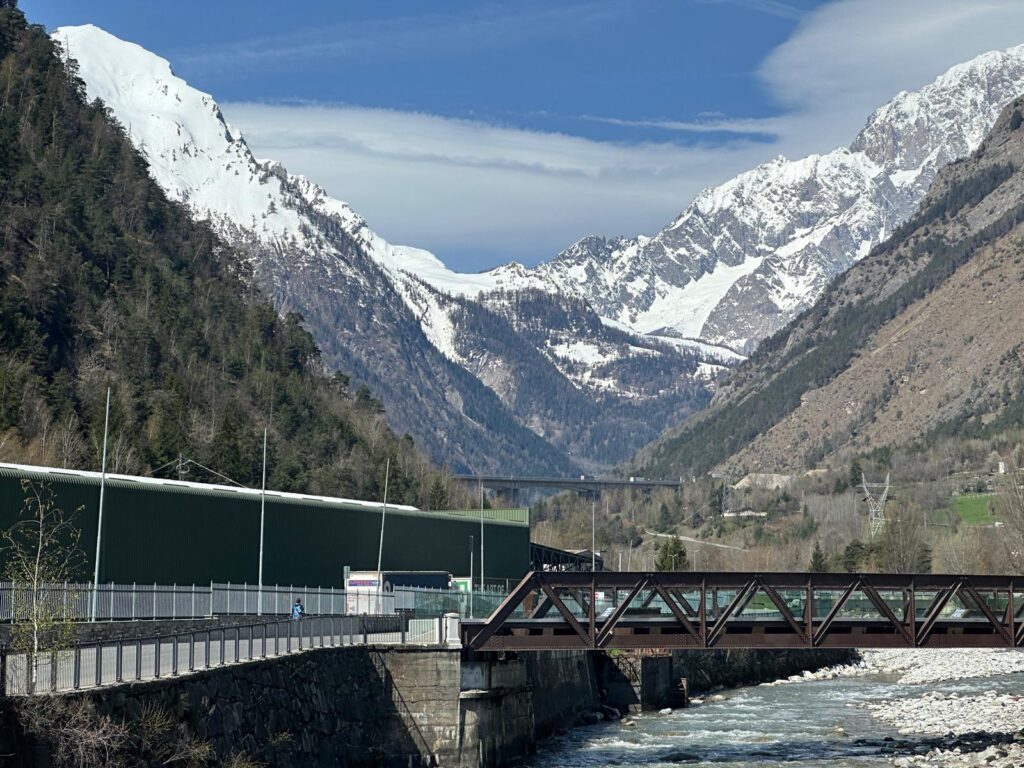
x=298 y=611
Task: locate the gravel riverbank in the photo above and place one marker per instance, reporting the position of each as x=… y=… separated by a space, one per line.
x=977 y=730
x=965 y=731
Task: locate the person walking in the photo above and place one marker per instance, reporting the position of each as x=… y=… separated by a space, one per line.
x=297 y=610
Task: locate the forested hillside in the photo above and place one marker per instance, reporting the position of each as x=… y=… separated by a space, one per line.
x=923 y=337
x=104 y=282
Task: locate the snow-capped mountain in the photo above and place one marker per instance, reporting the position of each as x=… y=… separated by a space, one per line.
x=747 y=256
x=485 y=379
x=590 y=354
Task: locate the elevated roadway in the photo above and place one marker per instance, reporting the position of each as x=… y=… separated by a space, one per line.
x=580 y=484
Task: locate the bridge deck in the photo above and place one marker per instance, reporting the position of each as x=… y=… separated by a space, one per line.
x=752 y=610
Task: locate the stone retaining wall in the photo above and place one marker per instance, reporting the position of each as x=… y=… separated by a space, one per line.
x=707 y=669
x=357 y=706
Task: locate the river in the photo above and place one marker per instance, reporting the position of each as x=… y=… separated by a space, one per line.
x=813 y=723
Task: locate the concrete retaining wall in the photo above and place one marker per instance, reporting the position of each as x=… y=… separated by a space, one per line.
x=358 y=706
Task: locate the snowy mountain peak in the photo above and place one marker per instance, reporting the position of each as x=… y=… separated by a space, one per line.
x=748 y=255
x=496 y=371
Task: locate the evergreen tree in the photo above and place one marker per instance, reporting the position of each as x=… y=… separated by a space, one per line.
x=671 y=556
x=437 y=494
x=854 y=554
x=819 y=564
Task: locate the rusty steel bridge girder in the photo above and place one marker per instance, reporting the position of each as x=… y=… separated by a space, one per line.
x=677 y=610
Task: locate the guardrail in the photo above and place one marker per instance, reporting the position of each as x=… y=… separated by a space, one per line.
x=111 y=662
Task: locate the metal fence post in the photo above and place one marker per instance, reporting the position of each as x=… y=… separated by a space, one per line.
x=193 y=600
x=119 y=661
x=238 y=642
x=3 y=669
x=76 y=674
x=366 y=638
x=223 y=643
x=138 y=658
x=133 y=601
x=174 y=602
x=211 y=600
x=156 y=658
x=206 y=658
x=154 y=601
x=99 y=663
x=228 y=611
x=191 y=651
x=111 y=601
x=245 y=597
x=174 y=655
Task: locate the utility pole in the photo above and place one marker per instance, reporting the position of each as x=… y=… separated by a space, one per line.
x=263 y=512
x=471 y=577
x=99 y=520
x=482 y=583
x=380 y=547
x=593 y=533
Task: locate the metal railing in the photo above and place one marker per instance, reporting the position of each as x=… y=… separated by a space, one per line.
x=113 y=661
x=139 y=602
x=118 y=602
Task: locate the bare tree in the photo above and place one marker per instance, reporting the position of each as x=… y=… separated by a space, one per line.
x=41 y=552
x=903 y=547
x=1011 y=509
x=69 y=440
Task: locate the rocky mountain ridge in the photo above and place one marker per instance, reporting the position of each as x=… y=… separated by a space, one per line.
x=923 y=337
x=749 y=255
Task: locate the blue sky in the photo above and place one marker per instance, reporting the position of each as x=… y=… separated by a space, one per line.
x=495 y=131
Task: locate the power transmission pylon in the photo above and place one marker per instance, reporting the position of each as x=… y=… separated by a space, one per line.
x=876 y=506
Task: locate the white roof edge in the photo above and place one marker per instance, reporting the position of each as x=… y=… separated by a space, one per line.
x=155 y=481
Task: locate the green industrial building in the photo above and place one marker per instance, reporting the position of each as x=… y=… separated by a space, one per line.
x=175 y=532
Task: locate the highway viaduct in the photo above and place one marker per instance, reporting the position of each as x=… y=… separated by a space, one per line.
x=590 y=486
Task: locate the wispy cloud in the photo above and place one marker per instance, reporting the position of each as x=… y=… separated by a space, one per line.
x=465 y=186
x=767 y=126
x=403 y=37
x=768 y=7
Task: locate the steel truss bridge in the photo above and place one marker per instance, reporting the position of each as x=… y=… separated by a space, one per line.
x=616 y=610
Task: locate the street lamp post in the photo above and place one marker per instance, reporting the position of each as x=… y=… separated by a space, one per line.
x=99 y=519
x=380 y=546
x=263 y=510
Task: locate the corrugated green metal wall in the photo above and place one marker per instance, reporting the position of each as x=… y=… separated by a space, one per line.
x=176 y=534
